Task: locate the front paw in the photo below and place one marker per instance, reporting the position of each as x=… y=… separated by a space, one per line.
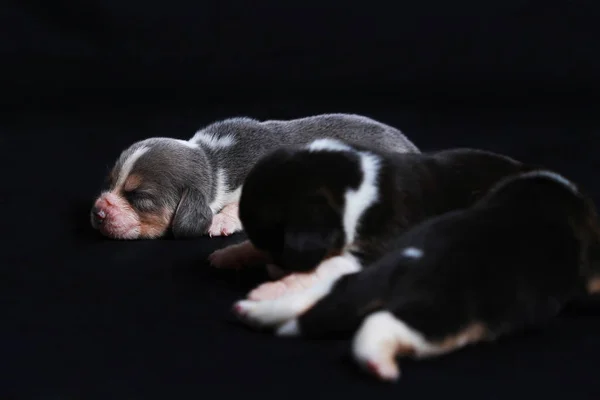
x=223 y=258
x=232 y=256
x=224 y=225
x=292 y=283
x=268 y=291
x=258 y=314
x=238 y=255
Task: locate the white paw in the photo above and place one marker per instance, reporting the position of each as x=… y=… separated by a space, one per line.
x=290 y=284
x=268 y=291
x=289 y=329
x=264 y=314
x=383 y=369
x=224 y=225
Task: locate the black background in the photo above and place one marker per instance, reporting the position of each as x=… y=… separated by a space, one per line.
x=84 y=317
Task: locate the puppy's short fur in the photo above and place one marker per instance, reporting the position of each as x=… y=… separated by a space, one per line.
x=510 y=262
x=303 y=207
x=193 y=187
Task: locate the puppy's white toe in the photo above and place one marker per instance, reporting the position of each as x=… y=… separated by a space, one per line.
x=289 y=329
x=384 y=370
x=263 y=314
x=253 y=313
x=224 y=225
x=242 y=307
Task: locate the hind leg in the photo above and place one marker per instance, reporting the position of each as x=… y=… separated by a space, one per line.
x=383 y=337
x=380 y=339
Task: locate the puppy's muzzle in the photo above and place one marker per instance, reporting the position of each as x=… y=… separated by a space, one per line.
x=98 y=216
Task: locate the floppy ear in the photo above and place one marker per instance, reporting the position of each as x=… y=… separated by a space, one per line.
x=192 y=217
x=313 y=231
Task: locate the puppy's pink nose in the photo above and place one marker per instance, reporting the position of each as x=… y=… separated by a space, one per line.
x=99 y=215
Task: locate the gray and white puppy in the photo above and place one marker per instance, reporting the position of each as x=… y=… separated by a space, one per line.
x=193 y=187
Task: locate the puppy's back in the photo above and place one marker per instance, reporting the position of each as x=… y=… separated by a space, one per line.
x=511 y=261
x=351 y=128
x=413 y=187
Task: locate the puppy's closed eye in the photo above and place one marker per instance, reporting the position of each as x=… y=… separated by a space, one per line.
x=140 y=199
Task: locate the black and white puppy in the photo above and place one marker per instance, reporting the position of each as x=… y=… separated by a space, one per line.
x=326 y=209
x=192 y=187
x=509 y=263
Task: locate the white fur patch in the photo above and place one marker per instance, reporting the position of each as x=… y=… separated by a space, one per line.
x=328 y=144
x=336 y=267
x=289 y=329
x=358 y=201
x=272 y=313
x=412 y=252
x=378 y=340
x=128 y=165
x=187 y=143
x=222 y=195
x=213 y=141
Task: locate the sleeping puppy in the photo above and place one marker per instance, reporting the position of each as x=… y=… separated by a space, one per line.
x=509 y=263
x=325 y=209
x=192 y=188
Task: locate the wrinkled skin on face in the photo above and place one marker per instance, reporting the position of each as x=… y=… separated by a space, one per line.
x=155 y=185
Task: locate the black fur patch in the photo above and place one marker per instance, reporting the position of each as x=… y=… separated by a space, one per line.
x=510 y=262
x=293 y=200
x=290 y=203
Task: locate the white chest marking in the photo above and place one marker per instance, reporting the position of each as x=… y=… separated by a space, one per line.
x=358 y=201
x=128 y=166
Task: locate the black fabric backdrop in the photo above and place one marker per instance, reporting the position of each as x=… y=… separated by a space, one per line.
x=83 y=317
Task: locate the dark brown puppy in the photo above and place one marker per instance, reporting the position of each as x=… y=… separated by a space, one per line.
x=326 y=209
x=510 y=262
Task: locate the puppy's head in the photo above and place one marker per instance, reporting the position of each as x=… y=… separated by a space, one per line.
x=562 y=198
x=292 y=203
x=156 y=184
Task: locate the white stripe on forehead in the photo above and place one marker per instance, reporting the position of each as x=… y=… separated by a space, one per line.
x=128 y=165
